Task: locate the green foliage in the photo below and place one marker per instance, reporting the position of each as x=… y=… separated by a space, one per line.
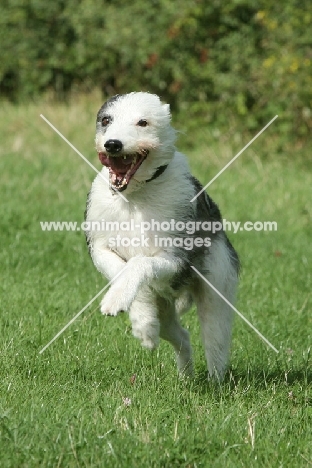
x=243 y=59
x=78 y=404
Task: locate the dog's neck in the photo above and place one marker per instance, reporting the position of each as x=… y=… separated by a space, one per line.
x=158 y=172
x=139 y=184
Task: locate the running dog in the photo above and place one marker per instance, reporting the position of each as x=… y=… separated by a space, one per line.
x=156 y=246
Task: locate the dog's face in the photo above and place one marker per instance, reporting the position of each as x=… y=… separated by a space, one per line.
x=133 y=138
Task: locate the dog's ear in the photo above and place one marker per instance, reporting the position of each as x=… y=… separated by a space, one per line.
x=166 y=108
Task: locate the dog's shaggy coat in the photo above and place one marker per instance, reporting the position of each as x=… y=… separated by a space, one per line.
x=136 y=145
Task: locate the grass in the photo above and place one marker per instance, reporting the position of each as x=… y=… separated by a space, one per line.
x=95 y=398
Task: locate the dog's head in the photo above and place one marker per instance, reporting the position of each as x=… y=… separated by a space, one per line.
x=134 y=138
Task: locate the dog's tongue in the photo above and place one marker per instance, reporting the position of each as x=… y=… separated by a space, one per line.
x=122 y=168
x=118 y=165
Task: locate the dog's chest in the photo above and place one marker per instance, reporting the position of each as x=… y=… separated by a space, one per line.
x=146 y=225
x=131 y=230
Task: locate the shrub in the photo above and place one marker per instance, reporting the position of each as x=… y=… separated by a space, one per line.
x=244 y=59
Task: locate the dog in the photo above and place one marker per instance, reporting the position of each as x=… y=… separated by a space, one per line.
x=152 y=236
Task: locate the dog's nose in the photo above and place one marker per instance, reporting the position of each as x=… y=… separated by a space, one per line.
x=113 y=146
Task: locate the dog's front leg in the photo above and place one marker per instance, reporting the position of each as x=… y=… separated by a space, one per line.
x=110 y=265
x=106 y=261
x=143 y=314
x=149 y=271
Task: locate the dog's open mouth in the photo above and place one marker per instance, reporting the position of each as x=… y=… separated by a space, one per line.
x=122 y=167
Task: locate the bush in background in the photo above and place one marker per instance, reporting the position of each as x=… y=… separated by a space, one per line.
x=215 y=60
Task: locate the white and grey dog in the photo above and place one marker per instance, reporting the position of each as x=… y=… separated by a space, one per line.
x=154 y=230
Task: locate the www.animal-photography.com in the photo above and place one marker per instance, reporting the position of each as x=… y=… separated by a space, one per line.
x=156 y=234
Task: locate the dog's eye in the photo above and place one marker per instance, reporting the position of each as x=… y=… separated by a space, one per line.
x=142 y=123
x=105 y=121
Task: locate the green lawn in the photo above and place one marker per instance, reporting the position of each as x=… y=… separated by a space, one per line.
x=95 y=398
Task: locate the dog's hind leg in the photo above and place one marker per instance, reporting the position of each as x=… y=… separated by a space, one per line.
x=214 y=314
x=215 y=318
x=172 y=331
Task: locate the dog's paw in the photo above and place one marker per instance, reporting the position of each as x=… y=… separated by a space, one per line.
x=107 y=311
x=115 y=301
x=148 y=342
x=109 y=307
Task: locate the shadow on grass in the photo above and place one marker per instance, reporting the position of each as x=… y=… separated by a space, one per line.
x=256 y=377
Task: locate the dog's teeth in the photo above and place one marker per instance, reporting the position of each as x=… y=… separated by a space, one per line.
x=125 y=157
x=133 y=162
